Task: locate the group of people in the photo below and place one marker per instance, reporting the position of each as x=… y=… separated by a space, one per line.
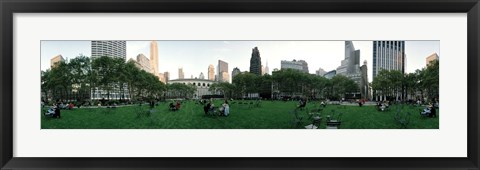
x=224 y=109
x=302 y=103
x=174 y=107
x=53 y=111
x=383 y=105
x=429 y=111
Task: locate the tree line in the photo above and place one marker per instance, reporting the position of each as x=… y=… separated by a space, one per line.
x=286 y=83
x=111 y=77
x=421 y=84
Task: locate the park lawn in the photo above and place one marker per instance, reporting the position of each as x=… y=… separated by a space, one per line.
x=270 y=115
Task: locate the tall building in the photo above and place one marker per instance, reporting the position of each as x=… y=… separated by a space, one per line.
x=211 y=72
x=154 y=57
x=181 y=74
x=225 y=77
x=263 y=70
x=255 y=62
x=222 y=69
x=56 y=60
x=161 y=77
x=364 y=88
x=267 y=70
x=300 y=65
x=167 y=76
x=431 y=58
x=320 y=72
x=388 y=55
x=201 y=76
x=143 y=63
x=117 y=49
x=235 y=72
x=351 y=63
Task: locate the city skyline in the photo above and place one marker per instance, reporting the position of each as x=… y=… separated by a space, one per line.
x=195 y=56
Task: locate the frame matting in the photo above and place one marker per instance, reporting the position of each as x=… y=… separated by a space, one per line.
x=9 y=7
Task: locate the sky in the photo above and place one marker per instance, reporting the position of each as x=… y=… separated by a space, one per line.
x=195 y=56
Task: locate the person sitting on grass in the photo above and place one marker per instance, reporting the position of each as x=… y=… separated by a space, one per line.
x=323 y=104
x=51 y=111
x=172 y=107
x=220 y=111
x=301 y=104
x=226 y=108
x=360 y=103
x=70 y=106
x=426 y=112
x=206 y=108
x=177 y=106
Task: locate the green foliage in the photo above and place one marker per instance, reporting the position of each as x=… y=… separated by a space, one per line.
x=423 y=81
x=76 y=79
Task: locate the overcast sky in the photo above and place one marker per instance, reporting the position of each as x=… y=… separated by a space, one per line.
x=196 y=56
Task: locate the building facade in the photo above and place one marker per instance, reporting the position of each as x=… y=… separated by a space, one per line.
x=181 y=74
x=211 y=72
x=320 y=72
x=351 y=63
x=116 y=49
x=300 y=65
x=202 y=86
x=330 y=74
x=236 y=71
x=222 y=70
x=364 y=86
x=256 y=62
x=154 y=58
x=143 y=63
x=56 y=60
x=431 y=58
x=388 y=55
x=167 y=76
x=267 y=70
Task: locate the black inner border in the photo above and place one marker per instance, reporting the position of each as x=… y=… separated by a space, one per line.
x=9 y=7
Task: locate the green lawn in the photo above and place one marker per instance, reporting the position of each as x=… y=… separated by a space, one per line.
x=270 y=115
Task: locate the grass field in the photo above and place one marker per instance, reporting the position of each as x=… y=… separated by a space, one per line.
x=270 y=115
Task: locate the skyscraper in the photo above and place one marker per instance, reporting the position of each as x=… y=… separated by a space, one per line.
x=181 y=75
x=256 y=62
x=351 y=63
x=388 y=55
x=154 y=58
x=56 y=60
x=222 y=69
x=143 y=63
x=235 y=72
x=364 y=88
x=267 y=70
x=167 y=76
x=201 y=76
x=211 y=72
x=431 y=58
x=117 y=49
